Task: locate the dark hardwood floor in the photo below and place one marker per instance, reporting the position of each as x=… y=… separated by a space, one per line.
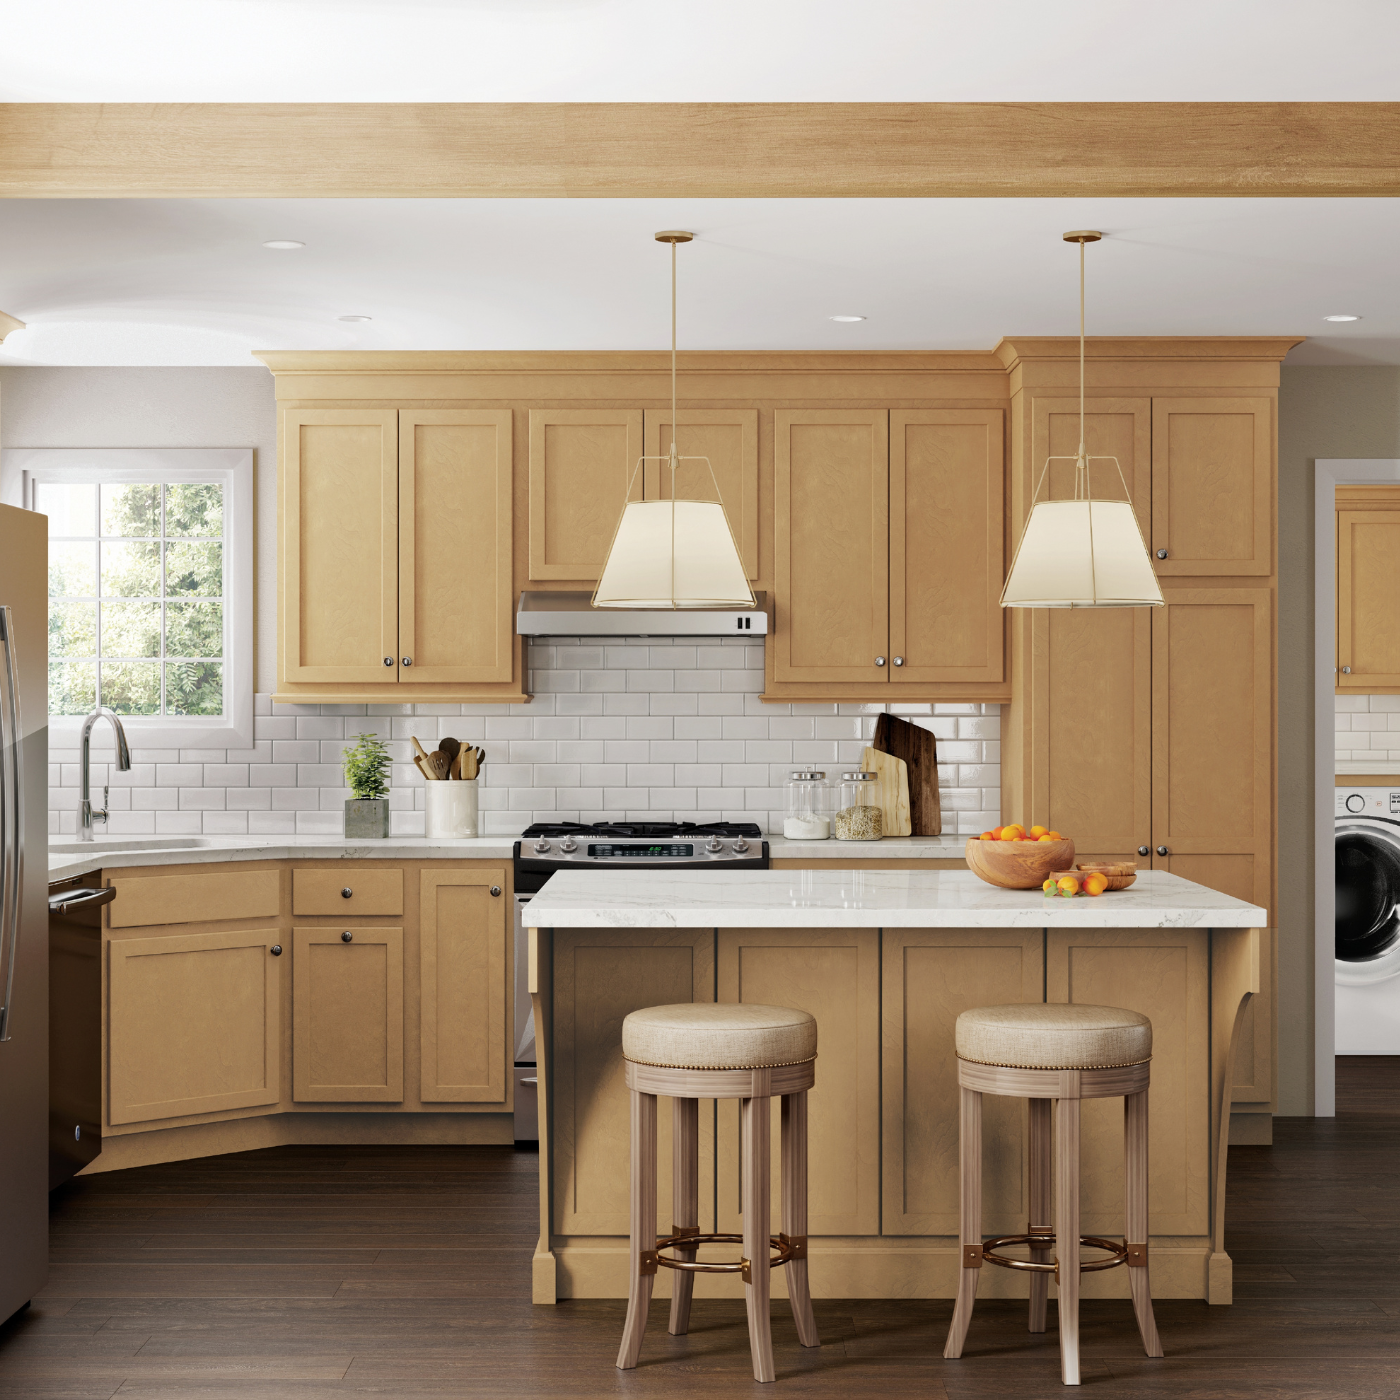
x=310 y=1273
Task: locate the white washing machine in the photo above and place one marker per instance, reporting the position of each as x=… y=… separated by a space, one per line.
x=1367 y=958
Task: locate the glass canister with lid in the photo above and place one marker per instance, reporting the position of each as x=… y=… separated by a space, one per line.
x=808 y=814
x=859 y=816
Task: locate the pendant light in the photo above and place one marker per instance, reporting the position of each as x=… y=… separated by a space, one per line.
x=673 y=553
x=1081 y=553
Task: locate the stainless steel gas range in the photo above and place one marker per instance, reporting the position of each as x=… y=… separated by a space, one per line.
x=552 y=846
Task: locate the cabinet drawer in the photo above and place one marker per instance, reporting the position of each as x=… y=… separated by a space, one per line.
x=353 y=890
x=194 y=898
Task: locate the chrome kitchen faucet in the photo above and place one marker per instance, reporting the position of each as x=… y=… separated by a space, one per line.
x=85 y=813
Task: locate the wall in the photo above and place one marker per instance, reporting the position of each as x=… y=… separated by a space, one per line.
x=69 y=407
x=1367 y=732
x=1343 y=411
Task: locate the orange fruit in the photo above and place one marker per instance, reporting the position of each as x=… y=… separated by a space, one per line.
x=1046 y=837
x=1036 y=832
x=1049 y=885
x=1068 y=885
x=1009 y=833
x=1054 y=836
x=1095 y=884
x=995 y=833
x=986 y=836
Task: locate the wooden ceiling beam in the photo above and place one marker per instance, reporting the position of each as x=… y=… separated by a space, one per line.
x=699 y=150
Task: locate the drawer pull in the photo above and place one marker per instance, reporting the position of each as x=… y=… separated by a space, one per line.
x=276 y=950
x=346 y=892
x=347 y=937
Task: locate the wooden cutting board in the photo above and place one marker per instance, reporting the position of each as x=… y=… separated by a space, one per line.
x=894 y=790
x=918 y=748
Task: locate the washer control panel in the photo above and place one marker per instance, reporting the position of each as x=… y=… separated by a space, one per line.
x=1369 y=802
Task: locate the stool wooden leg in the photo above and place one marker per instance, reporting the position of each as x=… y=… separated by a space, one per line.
x=1067 y=1234
x=1041 y=1193
x=794 y=1226
x=757 y=1187
x=1135 y=1170
x=685 y=1198
x=642 y=1254
x=970 y=1232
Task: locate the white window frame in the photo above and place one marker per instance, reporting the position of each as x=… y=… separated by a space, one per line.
x=232 y=468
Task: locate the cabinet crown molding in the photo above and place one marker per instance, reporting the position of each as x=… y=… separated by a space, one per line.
x=1011 y=351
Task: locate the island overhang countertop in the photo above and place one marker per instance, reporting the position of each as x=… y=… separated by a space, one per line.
x=689 y=898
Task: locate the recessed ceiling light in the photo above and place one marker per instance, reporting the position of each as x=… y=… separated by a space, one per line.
x=283 y=243
x=845 y=318
x=354 y=318
x=1341 y=318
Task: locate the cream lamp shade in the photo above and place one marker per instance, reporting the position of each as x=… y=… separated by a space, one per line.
x=1082 y=554
x=673 y=554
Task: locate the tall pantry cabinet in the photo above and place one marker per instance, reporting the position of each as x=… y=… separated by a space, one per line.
x=1149 y=734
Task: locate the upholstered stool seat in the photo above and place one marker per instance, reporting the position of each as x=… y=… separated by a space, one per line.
x=697 y=1051
x=1054 y=1035
x=1056 y=1055
x=706 y=1035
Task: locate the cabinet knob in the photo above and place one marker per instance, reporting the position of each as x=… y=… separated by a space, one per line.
x=388 y=660
x=347 y=937
x=276 y=950
x=346 y=892
x=1161 y=554
x=1144 y=850
x=1162 y=851
x=899 y=661
x=408 y=661
x=495 y=891
x=879 y=660
x=1346 y=670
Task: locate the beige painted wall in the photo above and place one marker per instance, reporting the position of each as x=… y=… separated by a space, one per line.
x=93 y=407
x=1342 y=411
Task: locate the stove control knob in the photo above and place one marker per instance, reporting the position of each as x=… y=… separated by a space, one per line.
x=740 y=846
x=541 y=846
x=714 y=845
x=568 y=844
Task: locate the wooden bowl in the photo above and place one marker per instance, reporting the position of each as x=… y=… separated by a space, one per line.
x=1119 y=874
x=1018 y=865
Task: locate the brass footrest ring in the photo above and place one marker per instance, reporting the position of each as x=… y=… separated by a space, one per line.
x=1118 y=1253
x=785 y=1248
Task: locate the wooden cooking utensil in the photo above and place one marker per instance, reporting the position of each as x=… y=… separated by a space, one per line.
x=420 y=757
x=439 y=763
x=894 y=790
x=451 y=747
x=455 y=771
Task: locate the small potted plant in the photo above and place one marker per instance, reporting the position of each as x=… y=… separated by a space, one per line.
x=366 y=764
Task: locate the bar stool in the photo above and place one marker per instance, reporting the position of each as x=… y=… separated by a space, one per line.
x=705 y=1051
x=1061 y=1054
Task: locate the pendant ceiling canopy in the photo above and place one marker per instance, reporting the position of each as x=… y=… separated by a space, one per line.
x=1081 y=553
x=673 y=553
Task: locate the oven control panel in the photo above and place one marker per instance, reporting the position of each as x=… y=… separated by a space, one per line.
x=1368 y=802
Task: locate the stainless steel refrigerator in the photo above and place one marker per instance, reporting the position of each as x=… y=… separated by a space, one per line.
x=24 y=936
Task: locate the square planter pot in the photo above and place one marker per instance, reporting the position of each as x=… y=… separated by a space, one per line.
x=367 y=818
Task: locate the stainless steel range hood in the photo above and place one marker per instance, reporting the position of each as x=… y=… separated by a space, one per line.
x=569 y=615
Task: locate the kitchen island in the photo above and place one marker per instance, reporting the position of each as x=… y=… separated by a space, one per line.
x=885 y=961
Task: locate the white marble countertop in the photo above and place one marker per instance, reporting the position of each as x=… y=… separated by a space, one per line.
x=866 y=899
x=114 y=852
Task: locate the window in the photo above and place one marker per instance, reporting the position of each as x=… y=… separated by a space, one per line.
x=150 y=589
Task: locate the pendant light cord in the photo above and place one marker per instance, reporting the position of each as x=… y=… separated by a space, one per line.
x=1083 y=461
x=673 y=425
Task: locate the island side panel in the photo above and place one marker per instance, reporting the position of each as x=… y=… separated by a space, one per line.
x=929 y=977
x=600 y=975
x=1164 y=974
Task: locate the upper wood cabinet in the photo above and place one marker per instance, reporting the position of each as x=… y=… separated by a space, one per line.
x=1368 y=590
x=1212 y=486
x=729 y=438
x=583 y=463
x=396 y=547
x=889 y=553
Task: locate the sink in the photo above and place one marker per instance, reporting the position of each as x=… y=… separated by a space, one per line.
x=128 y=843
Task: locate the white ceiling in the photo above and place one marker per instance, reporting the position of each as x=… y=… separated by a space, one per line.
x=697 y=50
x=188 y=282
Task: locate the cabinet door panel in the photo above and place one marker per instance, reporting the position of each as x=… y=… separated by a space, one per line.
x=1212 y=485
x=836 y=976
x=347 y=1016
x=465 y=1013
x=930 y=977
x=1212 y=745
x=729 y=438
x=599 y=977
x=583 y=464
x=1164 y=974
x=194 y=1024
x=946 y=555
x=1368 y=599
x=1091 y=669
x=456 y=614
x=339 y=585
x=831 y=580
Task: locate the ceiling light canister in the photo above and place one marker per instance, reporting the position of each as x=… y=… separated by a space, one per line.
x=354 y=318
x=283 y=243
x=1341 y=318
x=845 y=318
